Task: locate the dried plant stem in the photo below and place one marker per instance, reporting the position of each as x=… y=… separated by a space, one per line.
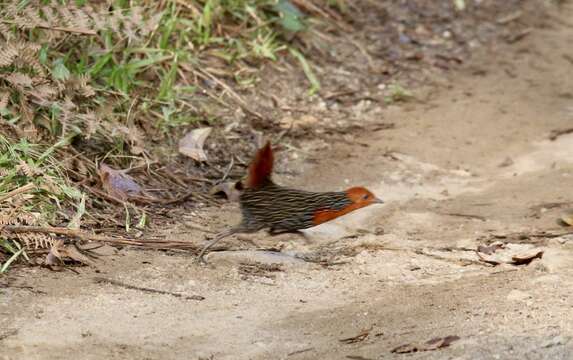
x=101 y=280
x=83 y=235
x=17 y=191
x=58 y=28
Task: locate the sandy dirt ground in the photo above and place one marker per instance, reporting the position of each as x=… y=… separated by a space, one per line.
x=468 y=161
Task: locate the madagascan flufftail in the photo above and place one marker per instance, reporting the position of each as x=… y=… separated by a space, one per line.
x=266 y=205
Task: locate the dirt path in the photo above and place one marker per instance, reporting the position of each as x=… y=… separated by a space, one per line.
x=445 y=174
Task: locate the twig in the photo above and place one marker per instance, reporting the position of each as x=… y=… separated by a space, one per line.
x=105 y=196
x=17 y=191
x=357 y=338
x=519 y=36
x=83 y=235
x=101 y=280
x=557 y=133
x=239 y=100
x=509 y=18
x=229 y=168
x=58 y=28
x=469 y=216
x=179 y=198
x=300 y=351
x=522 y=236
x=462 y=262
x=8 y=333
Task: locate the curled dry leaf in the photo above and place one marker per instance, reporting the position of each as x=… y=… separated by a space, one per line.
x=230 y=189
x=192 y=144
x=567 y=217
x=117 y=183
x=60 y=253
x=433 y=344
x=514 y=254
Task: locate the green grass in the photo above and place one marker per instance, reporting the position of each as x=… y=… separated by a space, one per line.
x=111 y=75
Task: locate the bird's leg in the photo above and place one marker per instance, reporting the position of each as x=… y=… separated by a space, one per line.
x=218 y=237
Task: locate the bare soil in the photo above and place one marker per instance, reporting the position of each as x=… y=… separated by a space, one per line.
x=468 y=162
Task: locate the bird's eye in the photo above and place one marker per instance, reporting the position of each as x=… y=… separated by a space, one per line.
x=365 y=197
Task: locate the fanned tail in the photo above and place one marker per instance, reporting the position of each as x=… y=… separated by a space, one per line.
x=261 y=168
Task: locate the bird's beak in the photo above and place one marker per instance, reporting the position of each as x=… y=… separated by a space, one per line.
x=378 y=201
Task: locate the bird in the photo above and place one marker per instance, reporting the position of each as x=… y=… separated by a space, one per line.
x=267 y=205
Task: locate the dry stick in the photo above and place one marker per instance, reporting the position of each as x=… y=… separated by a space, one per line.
x=147 y=243
x=17 y=191
x=105 y=196
x=233 y=94
x=58 y=28
x=74 y=233
x=468 y=216
x=557 y=133
x=101 y=280
x=300 y=351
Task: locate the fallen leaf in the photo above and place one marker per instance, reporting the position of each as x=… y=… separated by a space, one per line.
x=117 y=183
x=192 y=144
x=527 y=256
x=231 y=190
x=513 y=254
x=60 y=253
x=567 y=217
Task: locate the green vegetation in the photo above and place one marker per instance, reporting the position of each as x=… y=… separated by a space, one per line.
x=81 y=81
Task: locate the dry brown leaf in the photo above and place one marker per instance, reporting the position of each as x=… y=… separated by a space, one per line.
x=514 y=254
x=192 y=144
x=59 y=253
x=567 y=217
x=117 y=183
x=526 y=257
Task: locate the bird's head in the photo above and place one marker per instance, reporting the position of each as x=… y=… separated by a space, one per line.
x=362 y=197
x=359 y=197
